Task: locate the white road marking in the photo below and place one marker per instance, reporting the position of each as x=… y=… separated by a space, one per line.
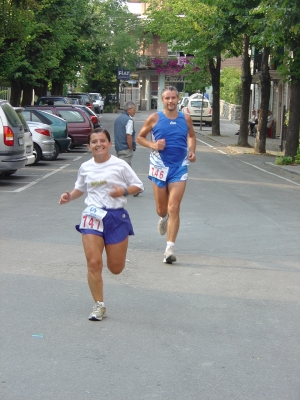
x=251 y=165
x=40 y=179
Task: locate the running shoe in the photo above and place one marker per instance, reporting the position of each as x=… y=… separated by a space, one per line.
x=163 y=226
x=98 y=312
x=169 y=256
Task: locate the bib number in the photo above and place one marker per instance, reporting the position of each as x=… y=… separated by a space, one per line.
x=160 y=173
x=92 y=218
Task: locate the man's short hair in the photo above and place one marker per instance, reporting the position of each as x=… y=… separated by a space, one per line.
x=129 y=104
x=171 y=88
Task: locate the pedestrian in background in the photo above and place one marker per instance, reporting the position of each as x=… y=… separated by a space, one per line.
x=124 y=133
x=173 y=146
x=105 y=224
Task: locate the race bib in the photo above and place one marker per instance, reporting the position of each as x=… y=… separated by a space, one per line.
x=92 y=218
x=160 y=173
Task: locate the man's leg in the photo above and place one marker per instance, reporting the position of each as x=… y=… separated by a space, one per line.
x=125 y=155
x=168 y=201
x=176 y=191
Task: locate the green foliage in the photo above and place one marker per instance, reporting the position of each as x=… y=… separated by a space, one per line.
x=230 y=85
x=59 y=41
x=110 y=108
x=283 y=160
x=297 y=158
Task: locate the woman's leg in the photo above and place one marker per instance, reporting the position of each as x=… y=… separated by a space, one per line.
x=116 y=256
x=93 y=247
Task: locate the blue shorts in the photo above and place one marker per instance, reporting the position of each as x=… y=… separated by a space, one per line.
x=116 y=226
x=175 y=174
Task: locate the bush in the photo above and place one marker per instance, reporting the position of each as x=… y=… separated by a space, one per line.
x=231 y=86
x=283 y=160
x=109 y=109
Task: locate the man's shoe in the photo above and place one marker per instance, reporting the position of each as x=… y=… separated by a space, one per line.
x=98 y=312
x=169 y=256
x=162 y=226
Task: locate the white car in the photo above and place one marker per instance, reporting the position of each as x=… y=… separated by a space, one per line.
x=200 y=110
x=29 y=151
x=43 y=142
x=98 y=102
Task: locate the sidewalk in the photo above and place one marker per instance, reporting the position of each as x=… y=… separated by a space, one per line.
x=229 y=139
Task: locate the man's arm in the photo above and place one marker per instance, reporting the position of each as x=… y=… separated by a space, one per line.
x=191 y=138
x=129 y=141
x=146 y=129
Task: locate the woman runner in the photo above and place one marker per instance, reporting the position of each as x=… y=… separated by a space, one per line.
x=105 y=224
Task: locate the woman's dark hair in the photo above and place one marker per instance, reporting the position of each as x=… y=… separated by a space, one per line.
x=99 y=130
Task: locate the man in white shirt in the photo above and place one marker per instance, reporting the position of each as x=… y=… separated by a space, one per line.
x=124 y=133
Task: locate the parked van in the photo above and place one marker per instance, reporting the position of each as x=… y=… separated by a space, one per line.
x=12 y=141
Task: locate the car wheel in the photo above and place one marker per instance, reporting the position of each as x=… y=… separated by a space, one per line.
x=209 y=123
x=72 y=144
x=37 y=153
x=9 y=173
x=54 y=156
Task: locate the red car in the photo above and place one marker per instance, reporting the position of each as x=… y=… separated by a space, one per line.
x=79 y=125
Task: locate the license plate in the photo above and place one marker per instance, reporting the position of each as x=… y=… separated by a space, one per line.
x=197 y=111
x=21 y=141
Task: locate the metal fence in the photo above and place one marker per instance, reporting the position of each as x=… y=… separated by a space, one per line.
x=5 y=93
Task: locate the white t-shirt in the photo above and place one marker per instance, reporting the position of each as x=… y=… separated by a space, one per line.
x=97 y=179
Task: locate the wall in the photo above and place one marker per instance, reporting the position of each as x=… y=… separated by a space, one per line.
x=232 y=112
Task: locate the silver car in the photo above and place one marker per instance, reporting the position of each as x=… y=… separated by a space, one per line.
x=43 y=142
x=30 y=154
x=12 y=141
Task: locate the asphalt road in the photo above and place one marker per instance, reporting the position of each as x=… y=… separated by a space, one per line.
x=222 y=323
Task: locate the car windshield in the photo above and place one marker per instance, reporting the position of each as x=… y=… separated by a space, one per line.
x=71 y=116
x=95 y=96
x=198 y=104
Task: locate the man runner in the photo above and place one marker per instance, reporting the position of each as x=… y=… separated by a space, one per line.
x=173 y=146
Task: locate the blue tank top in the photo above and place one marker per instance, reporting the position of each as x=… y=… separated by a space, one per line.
x=175 y=132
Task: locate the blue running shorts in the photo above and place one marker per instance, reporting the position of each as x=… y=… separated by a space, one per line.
x=175 y=174
x=116 y=226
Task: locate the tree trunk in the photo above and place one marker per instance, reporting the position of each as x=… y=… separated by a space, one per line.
x=265 y=81
x=246 y=85
x=42 y=89
x=57 y=88
x=292 y=135
x=27 y=95
x=15 y=94
x=215 y=69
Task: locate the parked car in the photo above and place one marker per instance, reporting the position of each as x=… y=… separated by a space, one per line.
x=43 y=141
x=12 y=140
x=195 y=108
x=29 y=151
x=98 y=102
x=58 y=125
x=83 y=98
x=78 y=123
x=52 y=100
x=92 y=115
x=182 y=103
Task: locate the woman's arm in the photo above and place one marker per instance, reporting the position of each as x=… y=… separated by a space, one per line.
x=67 y=196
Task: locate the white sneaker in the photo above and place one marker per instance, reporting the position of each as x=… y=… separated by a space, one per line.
x=163 y=226
x=169 y=256
x=98 y=312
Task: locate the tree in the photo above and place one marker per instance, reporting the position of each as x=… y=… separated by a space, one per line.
x=281 y=28
x=204 y=29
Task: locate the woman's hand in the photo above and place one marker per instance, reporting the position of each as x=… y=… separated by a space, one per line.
x=117 y=191
x=65 y=198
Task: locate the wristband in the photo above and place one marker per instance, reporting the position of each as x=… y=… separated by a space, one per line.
x=125 y=192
